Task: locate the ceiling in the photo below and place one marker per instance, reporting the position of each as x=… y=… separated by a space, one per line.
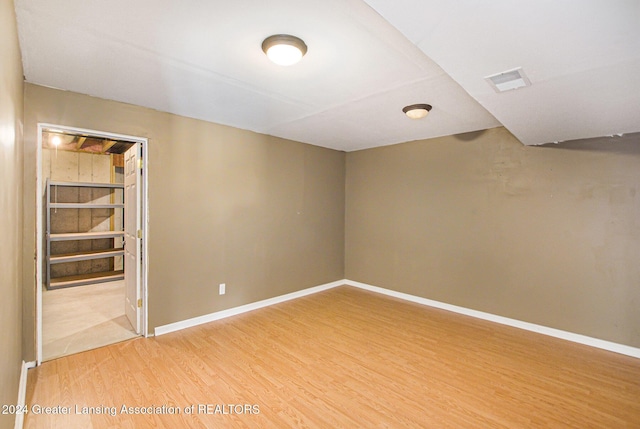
x=366 y=61
x=60 y=140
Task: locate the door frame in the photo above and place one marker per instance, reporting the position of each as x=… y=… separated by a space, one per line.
x=144 y=220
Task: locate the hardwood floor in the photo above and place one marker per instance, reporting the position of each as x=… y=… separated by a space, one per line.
x=343 y=358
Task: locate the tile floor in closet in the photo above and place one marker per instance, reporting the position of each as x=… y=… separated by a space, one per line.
x=83 y=318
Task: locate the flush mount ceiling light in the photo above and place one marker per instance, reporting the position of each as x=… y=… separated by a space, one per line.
x=284 y=49
x=417 y=111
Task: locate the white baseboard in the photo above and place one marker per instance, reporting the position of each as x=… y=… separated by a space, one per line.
x=172 y=327
x=552 y=332
x=22 y=392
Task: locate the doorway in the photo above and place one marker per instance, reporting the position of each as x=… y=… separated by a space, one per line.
x=91 y=232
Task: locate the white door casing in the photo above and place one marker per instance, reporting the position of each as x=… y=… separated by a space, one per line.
x=140 y=205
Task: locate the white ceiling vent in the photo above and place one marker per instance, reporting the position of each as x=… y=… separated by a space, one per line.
x=507 y=80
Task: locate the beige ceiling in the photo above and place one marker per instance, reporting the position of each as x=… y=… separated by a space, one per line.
x=366 y=60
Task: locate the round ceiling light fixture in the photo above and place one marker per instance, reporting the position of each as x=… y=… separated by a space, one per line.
x=284 y=49
x=417 y=111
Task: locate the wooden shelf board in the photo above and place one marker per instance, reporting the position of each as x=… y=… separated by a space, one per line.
x=86 y=255
x=85 y=235
x=85 y=206
x=88 y=185
x=84 y=279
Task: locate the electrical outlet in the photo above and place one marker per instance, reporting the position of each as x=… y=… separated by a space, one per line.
x=223 y=288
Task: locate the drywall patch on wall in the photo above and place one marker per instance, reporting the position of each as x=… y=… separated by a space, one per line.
x=505 y=169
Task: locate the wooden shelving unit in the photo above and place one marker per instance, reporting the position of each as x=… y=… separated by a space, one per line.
x=86 y=235
x=82 y=255
x=84 y=206
x=85 y=256
x=85 y=279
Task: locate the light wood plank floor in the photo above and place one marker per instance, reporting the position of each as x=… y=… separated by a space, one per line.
x=343 y=358
x=83 y=318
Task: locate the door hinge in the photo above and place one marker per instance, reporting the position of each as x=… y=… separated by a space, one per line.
x=140 y=303
x=139 y=163
x=139 y=233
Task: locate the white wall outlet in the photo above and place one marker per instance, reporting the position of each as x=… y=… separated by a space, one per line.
x=223 y=288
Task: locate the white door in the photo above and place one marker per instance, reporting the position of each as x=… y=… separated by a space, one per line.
x=131 y=240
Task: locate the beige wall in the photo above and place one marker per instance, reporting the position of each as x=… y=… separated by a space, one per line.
x=11 y=114
x=549 y=235
x=262 y=214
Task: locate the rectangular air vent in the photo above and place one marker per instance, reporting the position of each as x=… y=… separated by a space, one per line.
x=508 y=80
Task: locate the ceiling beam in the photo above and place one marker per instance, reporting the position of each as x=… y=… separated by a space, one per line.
x=107 y=144
x=81 y=141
